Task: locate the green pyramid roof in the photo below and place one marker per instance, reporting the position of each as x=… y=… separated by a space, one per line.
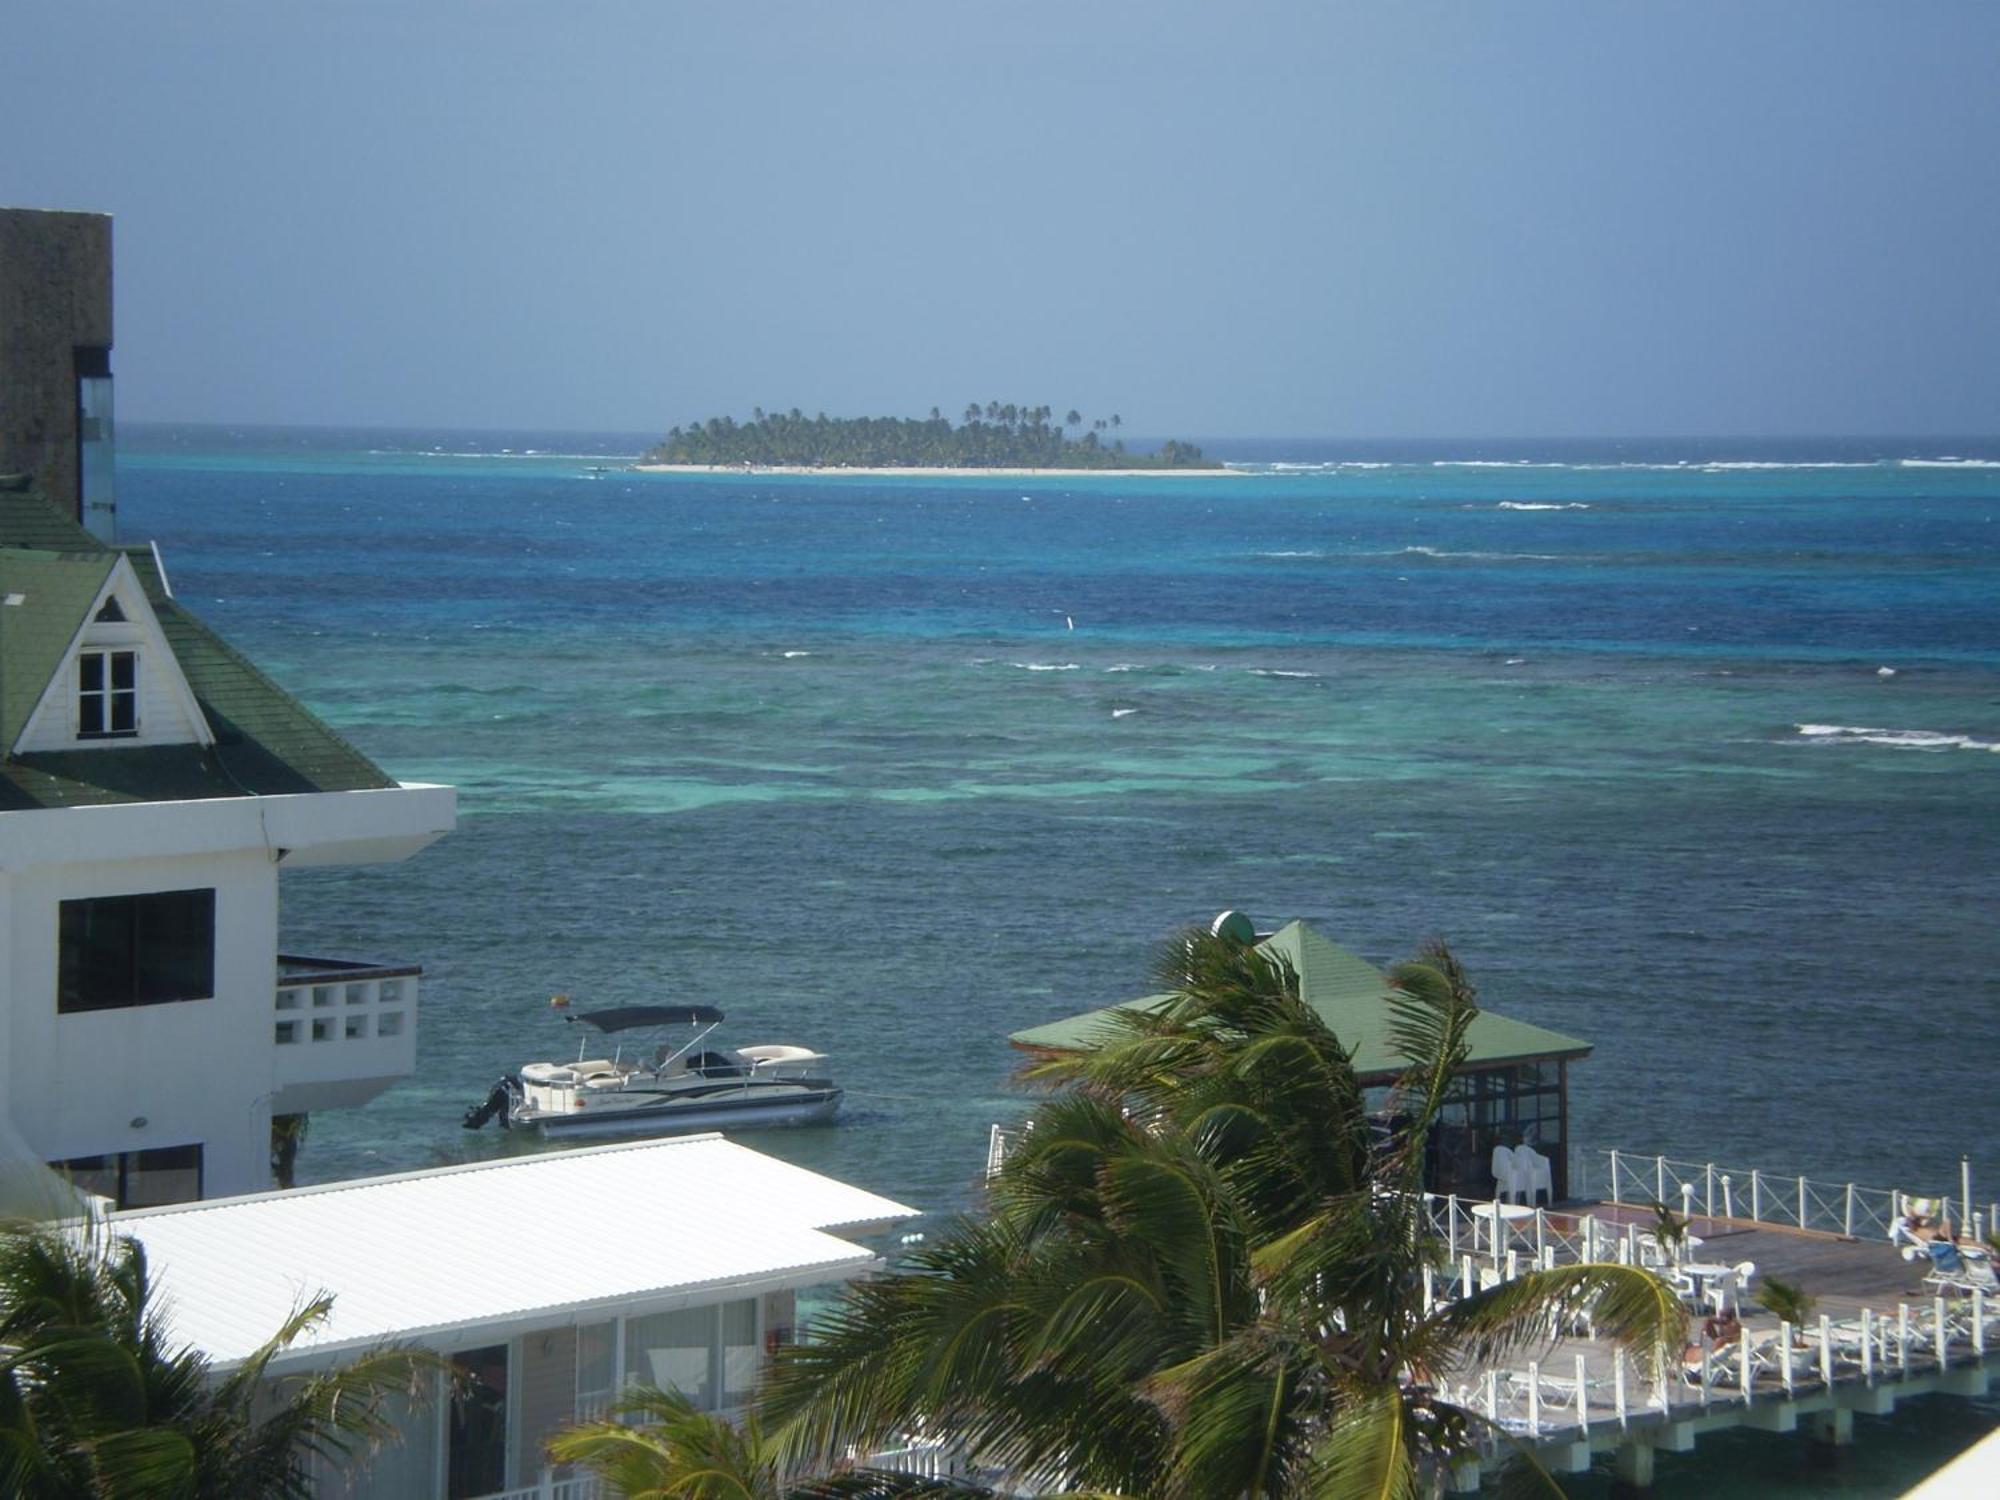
x=1351 y=996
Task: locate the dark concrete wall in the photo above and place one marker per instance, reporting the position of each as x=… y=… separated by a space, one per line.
x=55 y=294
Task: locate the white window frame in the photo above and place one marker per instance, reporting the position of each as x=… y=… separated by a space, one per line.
x=107 y=694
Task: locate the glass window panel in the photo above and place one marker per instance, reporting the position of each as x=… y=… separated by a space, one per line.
x=673 y=1350
x=164 y=1174
x=93 y=1174
x=741 y=1358
x=124 y=670
x=594 y=1374
x=90 y=671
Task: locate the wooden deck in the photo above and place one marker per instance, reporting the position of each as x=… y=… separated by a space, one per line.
x=1879 y=1335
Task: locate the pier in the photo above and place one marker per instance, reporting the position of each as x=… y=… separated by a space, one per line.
x=1884 y=1329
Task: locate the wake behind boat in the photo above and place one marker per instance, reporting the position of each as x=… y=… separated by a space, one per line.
x=653 y=1087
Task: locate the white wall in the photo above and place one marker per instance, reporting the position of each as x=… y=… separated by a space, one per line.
x=198 y=1070
x=193 y=1070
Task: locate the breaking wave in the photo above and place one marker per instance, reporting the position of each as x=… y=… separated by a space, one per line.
x=1895 y=739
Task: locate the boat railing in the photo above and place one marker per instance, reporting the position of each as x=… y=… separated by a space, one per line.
x=1783 y=1200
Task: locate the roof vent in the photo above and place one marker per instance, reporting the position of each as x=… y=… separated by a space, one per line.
x=1234 y=926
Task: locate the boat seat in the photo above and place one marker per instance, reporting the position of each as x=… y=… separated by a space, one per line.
x=593 y=1066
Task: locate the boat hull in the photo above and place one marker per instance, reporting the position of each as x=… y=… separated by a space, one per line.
x=734 y=1111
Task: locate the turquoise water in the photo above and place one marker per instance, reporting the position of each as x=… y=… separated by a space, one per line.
x=1691 y=759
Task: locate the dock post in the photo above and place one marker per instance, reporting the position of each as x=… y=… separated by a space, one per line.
x=1618 y=1386
x=1451 y=1226
x=1785 y=1352
x=1867 y=1347
x=1589 y=1232
x=1687 y=1200
x=1834 y=1427
x=1942 y=1335
x=1583 y=1399
x=1756 y=1197
x=1534 y=1398
x=1743 y=1366
x=1802 y=1204
x=1728 y=1203
x=1541 y=1235
x=1659 y=1179
x=1903 y=1337
x=1430 y=1290
x=1847 y=1216
x=1614 y=1177
x=1826 y=1351
x=1635 y=1467
x=1708 y=1191
x=1978 y=1323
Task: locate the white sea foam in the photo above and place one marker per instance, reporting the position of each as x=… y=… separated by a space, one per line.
x=1278 y=672
x=1290 y=554
x=1045 y=666
x=1442 y=555
x=1120 y=713
x=1542 y=505
x=788 y=655
x=1949 y=463
x=1721 y=466
x=1895 y=739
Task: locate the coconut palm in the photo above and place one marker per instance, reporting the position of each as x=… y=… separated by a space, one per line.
x=97 y=1403
x=1200 y=1274
x=658 y=1445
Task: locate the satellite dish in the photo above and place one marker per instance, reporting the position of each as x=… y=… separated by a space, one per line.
x=1234 y=926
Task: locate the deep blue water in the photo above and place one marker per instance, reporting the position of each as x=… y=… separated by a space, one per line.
x=1689 y=749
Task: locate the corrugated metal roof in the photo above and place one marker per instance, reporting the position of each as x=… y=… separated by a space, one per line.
x=1350 y=995
x=459 y=1248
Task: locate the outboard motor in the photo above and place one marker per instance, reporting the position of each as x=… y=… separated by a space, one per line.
x=500 y=1102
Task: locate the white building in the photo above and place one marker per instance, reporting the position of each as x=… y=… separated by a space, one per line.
x=153 y=786
x=551 y=1280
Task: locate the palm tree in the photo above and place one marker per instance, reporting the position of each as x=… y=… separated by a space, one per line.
x=1199 y=1276
x=97 y=1404
x=666 y=1448
x=1074 y=419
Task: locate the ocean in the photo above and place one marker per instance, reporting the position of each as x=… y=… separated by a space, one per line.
x=1691 y=749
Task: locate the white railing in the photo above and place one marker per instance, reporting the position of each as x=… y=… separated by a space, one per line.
x=321 y=1000
x=922 y=1457
x=1563 y=1396
x=1781 y=1199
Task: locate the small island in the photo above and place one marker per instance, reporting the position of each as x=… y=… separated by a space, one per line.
x=996 y=437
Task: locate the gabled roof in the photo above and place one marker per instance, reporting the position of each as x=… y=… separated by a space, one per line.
x=267 y=742
x=45 y=599
x=1351 y=996
x=441 y=1254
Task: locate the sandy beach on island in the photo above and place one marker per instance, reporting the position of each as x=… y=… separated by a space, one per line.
x=934 y=472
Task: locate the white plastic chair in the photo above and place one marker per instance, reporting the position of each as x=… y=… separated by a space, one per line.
x=1531 y=1165
x=1506 y=1174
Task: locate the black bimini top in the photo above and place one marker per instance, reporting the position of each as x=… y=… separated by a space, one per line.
x=626 y=1017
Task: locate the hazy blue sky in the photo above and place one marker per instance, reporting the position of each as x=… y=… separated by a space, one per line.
x=1464 y=218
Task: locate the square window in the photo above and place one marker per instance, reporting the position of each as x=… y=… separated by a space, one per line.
x=154 y=949
x=356 y=1026
x=322 y=1031
x=287 y=1033
x=389 y=1023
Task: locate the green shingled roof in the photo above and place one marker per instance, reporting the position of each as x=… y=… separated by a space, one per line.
x=267 y=742
x=45 y=598
x=1351 y=996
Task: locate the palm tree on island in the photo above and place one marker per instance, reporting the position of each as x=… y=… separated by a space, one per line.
x=995 y=435
x=1200 y=1272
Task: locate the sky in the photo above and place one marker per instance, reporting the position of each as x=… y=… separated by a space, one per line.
x=1408 y=219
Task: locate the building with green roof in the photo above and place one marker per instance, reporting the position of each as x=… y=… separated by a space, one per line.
x=1513 y=1089
x=153 y=785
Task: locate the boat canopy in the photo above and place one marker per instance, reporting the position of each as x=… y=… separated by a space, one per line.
x=626 y=1017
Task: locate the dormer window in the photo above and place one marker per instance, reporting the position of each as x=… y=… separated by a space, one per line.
x=107 y=696
x=111 y=614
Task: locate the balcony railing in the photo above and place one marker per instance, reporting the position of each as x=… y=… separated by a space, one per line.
x=344 y=1030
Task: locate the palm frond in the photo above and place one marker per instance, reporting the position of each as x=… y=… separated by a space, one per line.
x=1628 y=1306
x=1365 y=1453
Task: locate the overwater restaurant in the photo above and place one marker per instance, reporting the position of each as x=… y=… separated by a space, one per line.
x=1513 y=1089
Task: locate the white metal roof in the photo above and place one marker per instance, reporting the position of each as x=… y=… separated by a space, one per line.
x=475 y=1247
